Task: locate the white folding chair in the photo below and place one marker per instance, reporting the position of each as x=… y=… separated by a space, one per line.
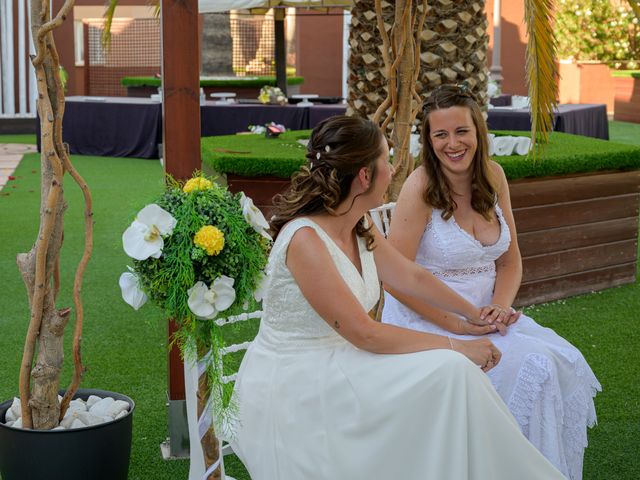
x=381 y=217
x=198 y=426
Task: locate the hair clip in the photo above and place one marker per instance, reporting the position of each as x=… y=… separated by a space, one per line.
x=318 y=156
x=310 y=165
x=327 y=148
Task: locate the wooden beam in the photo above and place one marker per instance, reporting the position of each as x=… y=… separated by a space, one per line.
x=180 y=118
x=180 y=87
x=280 y=50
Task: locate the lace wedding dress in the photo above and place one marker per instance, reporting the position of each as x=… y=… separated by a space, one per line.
x=544 y=380
x=314 y=407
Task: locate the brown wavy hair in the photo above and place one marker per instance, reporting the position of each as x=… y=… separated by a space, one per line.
x=438 y=191
x=338 y=148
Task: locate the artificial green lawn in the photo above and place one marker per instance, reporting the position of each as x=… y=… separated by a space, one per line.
x=254 y=155
x=19 y=138
x=624 y=132
x=125 y=350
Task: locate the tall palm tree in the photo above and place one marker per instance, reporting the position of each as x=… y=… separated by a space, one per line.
x=453 y=49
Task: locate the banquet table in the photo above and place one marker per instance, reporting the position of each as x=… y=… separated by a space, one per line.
x=111 y=126
x=132 y=127
x=589 y=120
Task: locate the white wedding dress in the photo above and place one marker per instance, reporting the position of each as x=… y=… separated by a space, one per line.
x=544 y=380
x=314 y=407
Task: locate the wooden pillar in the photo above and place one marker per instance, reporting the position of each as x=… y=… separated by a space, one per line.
x=180 y=87
x=280 y=49
x=181 y=152
x=496 y=67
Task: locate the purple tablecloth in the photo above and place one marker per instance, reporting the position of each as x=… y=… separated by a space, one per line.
x=583 y=119
x=113 y=127
x=132 y=127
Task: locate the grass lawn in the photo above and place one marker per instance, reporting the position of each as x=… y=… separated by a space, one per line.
x=624 y=132
x=19 y=138
x=125 y=350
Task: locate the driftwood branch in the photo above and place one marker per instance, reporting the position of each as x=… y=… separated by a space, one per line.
x=40 y=267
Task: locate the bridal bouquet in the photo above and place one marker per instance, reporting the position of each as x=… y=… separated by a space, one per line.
x=199 y=253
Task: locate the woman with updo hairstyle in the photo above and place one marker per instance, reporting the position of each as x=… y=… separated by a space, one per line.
x=325 y=392
x=453 y=217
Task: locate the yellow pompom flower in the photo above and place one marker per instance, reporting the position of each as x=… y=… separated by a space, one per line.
x=210 y=239
x=197 y=183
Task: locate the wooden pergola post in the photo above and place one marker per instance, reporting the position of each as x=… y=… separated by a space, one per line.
x=280 y=49
x=181 y=153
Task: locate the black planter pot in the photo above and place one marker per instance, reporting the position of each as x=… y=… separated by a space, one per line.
x=99 y=452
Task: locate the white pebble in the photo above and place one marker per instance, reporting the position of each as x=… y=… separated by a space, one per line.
x=100 y=408
x=17 y=423
x=15 y=407
x=116 y=407
x=9 y=423
x=68 y=419
x=89 y=419
x=59 y=427
x=123 y=413
x=77 y=424
x=93 y=399
x=10 y=416
x=77 y=405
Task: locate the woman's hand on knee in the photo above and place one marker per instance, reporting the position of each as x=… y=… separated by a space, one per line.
x=482 y=352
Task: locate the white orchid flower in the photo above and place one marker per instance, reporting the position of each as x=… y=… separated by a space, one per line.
x=131 y=291
x=143 y=238
x=206 y=303
x=254 y=216
x=261 y=287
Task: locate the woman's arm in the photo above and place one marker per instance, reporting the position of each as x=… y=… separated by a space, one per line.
x=509 y=265
x=322 y=285
x=410 y=217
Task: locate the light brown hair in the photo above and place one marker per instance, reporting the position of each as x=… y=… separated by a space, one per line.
x=438 y=191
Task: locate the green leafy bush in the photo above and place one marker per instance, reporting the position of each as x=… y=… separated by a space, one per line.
x=597 y=30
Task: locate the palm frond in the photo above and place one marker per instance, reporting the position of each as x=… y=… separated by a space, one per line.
x=108 y=21
x=542 y=71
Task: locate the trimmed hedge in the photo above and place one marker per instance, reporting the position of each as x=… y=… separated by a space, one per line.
x=255 y=155
x=625 y=73
x=253 y=82
x=568 y=154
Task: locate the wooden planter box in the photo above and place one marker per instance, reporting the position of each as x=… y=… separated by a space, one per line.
x=627 y=99
x=577 y=234
x=260 y=189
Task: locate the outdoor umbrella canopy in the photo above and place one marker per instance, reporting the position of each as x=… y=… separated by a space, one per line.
x=210 y=6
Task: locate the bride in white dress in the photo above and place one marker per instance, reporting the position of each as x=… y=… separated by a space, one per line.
x=324 y=392
x=453 y=217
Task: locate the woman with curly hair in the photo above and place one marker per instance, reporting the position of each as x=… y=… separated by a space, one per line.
x=453 y=217
x=325 y=392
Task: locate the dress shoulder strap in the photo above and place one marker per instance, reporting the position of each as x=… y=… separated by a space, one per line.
x=286 y=234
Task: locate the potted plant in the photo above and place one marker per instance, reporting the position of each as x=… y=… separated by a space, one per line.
x=74 y=436
x=199 y=252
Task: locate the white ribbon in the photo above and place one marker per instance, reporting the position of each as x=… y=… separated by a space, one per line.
x=221 y=322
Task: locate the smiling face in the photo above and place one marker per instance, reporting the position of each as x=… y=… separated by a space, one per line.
x=454 y=139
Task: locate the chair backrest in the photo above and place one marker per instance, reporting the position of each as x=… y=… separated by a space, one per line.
x=381 y=217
